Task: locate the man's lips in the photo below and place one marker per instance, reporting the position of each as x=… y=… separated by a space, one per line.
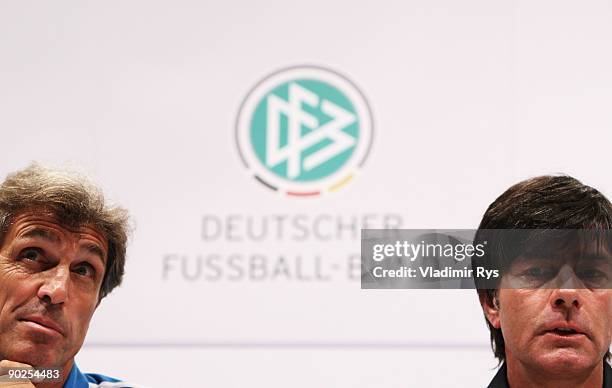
x=564 y=329
x=44 y=322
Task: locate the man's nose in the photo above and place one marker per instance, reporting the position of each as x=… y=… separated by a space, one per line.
x=55 y=287
x=567 y=294
x=566 y=298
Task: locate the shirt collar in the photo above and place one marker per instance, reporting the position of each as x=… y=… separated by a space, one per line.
x=76 y=379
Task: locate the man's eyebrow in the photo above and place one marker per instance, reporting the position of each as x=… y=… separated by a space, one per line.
x=50 y=236
x=597 y=256
x=95 y=249
x=45 y=234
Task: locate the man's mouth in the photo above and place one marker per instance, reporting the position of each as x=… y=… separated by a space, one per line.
x=43 y=324
x=564 y=330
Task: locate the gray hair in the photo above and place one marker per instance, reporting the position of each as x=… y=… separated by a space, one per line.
x=74 y=201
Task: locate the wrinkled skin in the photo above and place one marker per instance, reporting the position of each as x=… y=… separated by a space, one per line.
x=50 y=279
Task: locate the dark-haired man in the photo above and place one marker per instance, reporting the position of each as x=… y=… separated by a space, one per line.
x=550 y=334
x=62 y=249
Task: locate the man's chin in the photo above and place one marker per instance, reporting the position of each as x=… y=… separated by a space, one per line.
x=567 y=361
x=35 y=355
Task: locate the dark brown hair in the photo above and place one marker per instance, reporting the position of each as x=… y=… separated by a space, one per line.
x=545 y=202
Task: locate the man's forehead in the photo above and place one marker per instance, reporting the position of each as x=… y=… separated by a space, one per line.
x=47 y=226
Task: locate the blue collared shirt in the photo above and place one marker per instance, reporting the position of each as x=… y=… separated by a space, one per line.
x=77 y=379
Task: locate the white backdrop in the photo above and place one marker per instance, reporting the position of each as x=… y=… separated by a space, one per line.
x=467 y=98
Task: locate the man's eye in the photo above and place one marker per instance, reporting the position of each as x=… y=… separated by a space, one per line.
x=85 y=269
x=31 y=254
x=591 y=273
x=539 y=272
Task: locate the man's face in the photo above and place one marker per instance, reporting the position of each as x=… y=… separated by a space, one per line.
x=560 y=330
x=50 y=278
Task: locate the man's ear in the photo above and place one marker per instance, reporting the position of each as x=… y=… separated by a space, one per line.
x=490 y=306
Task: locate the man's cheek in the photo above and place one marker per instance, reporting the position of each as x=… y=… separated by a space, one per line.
x=5 y=309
